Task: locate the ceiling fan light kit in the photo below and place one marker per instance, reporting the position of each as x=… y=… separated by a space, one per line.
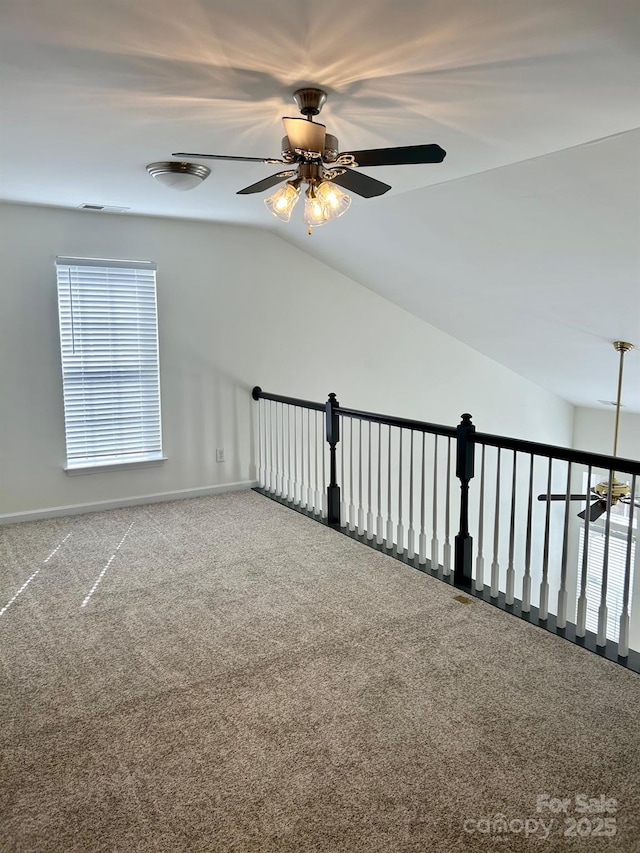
x=178 y=175
x=313 y=157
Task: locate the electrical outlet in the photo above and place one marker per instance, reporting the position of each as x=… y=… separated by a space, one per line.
x=220 y=454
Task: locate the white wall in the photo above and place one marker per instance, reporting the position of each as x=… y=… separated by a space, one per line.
x=594 y=428
x=237 y=307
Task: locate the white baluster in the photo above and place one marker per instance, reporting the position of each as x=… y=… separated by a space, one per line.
x=526 y=580
x=323 y=464
x=561 y=615
x=260 y=458
x=352 y=508
x=360 y=507
x=278 y=443
x=581 y=617
x=603 y=613
x=343 y=502
x=434 y=536
x=411 y=536
x=511 y=574
x=379 y=520
x=495 y=565
x=623 y=638
x=389 y=538
x=282 y=487
x=369 y=504
x=270 y=476
x=446 y=548
x=309 y=454
x=422 y=539
x=480 y=557
x=289 y=489
x=544 y=583
x=317 y=499
x=296 y=481
x=400 y=528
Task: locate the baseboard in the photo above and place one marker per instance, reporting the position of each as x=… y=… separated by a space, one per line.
x=79 y=509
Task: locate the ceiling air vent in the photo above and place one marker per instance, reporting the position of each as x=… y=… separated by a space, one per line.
x=104 y=208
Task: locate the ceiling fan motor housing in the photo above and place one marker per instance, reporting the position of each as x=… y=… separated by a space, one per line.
x=330 y=154
x=310 y=101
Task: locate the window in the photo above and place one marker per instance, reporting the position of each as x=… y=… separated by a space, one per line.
x=110 y=370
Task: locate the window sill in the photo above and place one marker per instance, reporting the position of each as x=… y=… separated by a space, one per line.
x=101 y=468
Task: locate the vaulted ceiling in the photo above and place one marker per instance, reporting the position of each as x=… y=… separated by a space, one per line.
x=523 y=243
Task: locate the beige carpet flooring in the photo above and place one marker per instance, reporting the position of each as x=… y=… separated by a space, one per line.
x=241 y=678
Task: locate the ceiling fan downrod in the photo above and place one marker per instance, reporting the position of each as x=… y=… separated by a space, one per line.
x=622 y=347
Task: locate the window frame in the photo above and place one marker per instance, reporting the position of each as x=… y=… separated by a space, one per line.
x=145 y=338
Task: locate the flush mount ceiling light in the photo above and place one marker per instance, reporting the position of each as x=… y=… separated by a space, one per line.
x=178 y=175
x=313 y=157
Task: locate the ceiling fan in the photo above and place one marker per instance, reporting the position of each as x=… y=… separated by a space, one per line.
x=611 y=491
x=313 y=157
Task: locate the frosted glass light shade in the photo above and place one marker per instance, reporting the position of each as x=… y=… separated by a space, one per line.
x=333 y=200
x=177 y=175
x=282 y=202
x=314 y=212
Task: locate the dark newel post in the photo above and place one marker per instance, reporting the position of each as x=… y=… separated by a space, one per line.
x=465 y=452
x=333 y=437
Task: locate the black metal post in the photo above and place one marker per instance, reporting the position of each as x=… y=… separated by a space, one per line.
x=465 y=454
x=333 y=437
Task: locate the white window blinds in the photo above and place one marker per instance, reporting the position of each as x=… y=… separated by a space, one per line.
x=110 y=371
x=615 y=577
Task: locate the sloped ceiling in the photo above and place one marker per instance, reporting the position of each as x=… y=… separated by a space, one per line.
x=523 y=243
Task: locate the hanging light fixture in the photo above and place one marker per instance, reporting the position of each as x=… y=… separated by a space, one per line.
x=334 y=201
x=324 y=202
x=314 y=210
x=282 y=202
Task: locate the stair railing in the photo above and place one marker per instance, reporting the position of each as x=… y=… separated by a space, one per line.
x=391 y=483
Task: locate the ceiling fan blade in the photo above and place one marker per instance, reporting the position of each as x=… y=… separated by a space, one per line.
x=273 y=160
x=563 y=497
x=357 y=182
x=305 y=134
x=265 y=183
x=596 y=509
x=401 y=156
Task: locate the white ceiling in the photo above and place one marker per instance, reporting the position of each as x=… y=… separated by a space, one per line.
x=523 y=243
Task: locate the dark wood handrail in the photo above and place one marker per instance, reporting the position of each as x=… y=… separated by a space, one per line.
x=566 y=454
x=403 y=423
x=258 y=394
